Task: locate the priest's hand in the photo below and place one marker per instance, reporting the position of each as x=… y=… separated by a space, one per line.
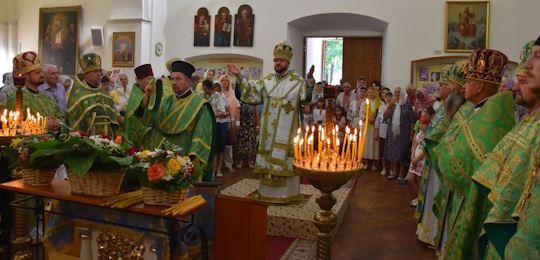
x=233 y=69
x=53 y=124
x=311 y=71
x=149 y=89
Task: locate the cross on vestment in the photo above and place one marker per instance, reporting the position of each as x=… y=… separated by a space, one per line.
x=288 y=107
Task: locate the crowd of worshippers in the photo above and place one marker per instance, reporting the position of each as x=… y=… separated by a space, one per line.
x=393 y=146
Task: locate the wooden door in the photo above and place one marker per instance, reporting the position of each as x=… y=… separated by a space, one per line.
x=362 y=57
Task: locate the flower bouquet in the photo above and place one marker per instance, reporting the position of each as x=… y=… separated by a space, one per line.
x=95 y=164
x=165 y=175
x=26 y=156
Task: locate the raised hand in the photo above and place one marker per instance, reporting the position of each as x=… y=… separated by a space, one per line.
x=311 y=71
x=149 y=89
x=233 y=69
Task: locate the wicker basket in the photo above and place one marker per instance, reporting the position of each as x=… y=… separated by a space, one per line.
x=161 y=197
x=95 y=183
x=37 y=177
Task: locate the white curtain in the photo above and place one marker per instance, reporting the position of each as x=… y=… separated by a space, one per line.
x=8 y=45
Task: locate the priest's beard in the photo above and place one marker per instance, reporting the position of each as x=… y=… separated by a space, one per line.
x=280 y=70
x=452 y=104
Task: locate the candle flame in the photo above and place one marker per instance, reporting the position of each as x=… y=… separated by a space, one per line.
x=367 y=101
x=360 y=123
x=347 y=130
x=302 y=141
x=299 y=130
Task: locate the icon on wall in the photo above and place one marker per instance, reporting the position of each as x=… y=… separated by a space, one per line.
x=201 y=35
x=123 y=49
x=244 y=26
x=223 y=26
x=59 y=37
x=467 y=25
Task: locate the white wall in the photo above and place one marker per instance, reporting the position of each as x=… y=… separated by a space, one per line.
x=415 y=27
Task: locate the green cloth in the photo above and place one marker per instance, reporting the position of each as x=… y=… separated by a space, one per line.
x=525 y=243
x=187 y=122
x=460 y=154
x=134 y=129
x=504 y=175
x=90 y=110
x=39 y=102
x=444 y=196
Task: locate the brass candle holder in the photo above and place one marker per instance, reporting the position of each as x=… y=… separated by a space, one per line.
x=326 y=181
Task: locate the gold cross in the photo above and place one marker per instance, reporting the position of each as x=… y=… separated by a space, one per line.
x=288 y=107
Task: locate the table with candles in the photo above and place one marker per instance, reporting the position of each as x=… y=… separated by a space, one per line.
x=328 y=162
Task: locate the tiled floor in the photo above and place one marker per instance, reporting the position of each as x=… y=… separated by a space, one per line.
x=378 y=225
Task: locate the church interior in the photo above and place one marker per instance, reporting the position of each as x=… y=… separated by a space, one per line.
x=308 y=129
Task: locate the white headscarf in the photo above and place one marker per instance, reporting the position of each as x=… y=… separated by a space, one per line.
x=396 y=116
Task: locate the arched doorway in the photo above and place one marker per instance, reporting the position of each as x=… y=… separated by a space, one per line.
x=362 y=41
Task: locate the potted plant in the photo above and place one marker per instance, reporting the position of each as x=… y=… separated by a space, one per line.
x=165 y=175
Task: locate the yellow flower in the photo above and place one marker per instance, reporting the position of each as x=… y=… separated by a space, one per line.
x=173 y=166
x=15 y=142
x=144 y=154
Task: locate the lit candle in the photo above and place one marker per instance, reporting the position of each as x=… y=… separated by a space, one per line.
x=300 y=147
x=306 y=135
x=295 y=148
x=327 y=148
x=365 y=129
x=319 y=143
x=333 y=139
x=348 y=151
x=354 y=146
x=347 y=131
x=337 y=144
x=360 y=136
x=28 y=115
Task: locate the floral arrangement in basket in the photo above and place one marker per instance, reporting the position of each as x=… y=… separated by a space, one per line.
x=25 y=153
x=83 y=153
x=164 y=169
x=25 y=156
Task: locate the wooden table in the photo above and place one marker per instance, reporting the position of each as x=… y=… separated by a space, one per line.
x=60 y=190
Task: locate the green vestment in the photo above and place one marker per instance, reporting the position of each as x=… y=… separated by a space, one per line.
x=443 y=199
x=503 y=175
x=37 y=102
x=525 y=243
x=187 y=122
x=134 y=129
x=90 y=110
x=460 y=154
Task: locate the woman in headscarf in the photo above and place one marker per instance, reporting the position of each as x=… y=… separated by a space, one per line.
x=234 y=110
x=208 y=75
x=399 y=138
x=423 y=100
x=66 y=81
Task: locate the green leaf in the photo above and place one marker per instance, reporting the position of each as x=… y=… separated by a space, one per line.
x=46 y=153
x=122 y=161
x=80 y=163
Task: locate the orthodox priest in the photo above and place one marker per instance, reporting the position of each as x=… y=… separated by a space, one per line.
x=134 y=129
x=464 y=149
x=184 y=118
x=27 y=68
x=89 y=109
x=281 y=94
x=511 y=225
